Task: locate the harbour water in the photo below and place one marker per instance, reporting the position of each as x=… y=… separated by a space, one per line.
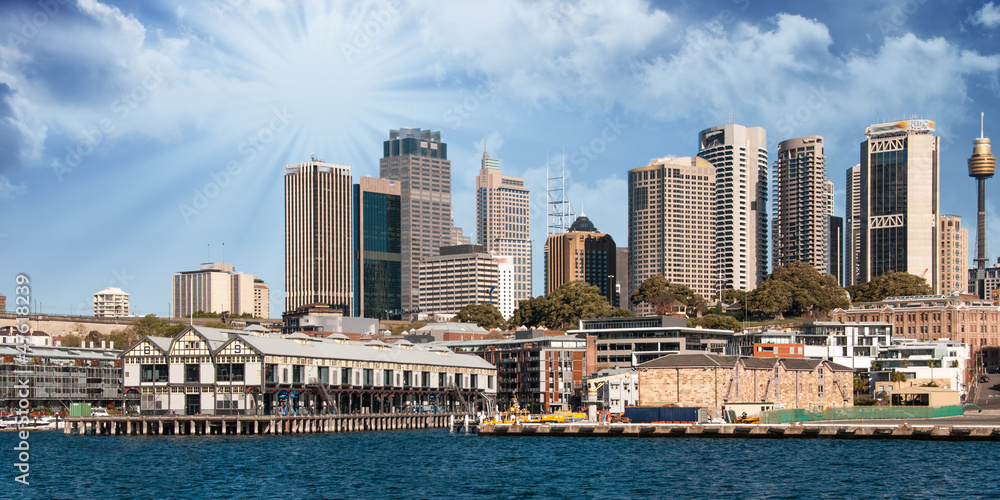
x=436 y=464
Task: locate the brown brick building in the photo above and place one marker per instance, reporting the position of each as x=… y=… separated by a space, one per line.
x=962 y=317
x=711 y=381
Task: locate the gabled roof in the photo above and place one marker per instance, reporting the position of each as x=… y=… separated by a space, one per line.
x=691 y=361
x=759 y=363
x=801 y=364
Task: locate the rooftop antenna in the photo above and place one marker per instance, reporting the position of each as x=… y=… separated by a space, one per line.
x=209 y=253
x=981 y=114
x=223 y=252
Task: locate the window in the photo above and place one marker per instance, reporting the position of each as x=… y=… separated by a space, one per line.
x=369 y=378
x=472 y=381
x=425 y=379
x=345 y=376
x=458 y=380
x=145 y=373
x=192 y=373
x=442 y=380
x=324 y=374
x=297 y=373
x=270 y=373
x=387 y=378
x=407 y=378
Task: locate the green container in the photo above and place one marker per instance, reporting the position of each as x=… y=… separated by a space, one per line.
x=79 y=409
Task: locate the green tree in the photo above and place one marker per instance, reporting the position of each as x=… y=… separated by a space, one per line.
x=95 y=337
x=730 y=296
x=70 y=340
x=402 y=328
x=812 y=293
x=563 y=308
x=216 y=324
x=485 y=315
x=622 y=313
x=889 y=284
x=897 y=377
x=716 y=322
x=859 y=385
x=659 y=293
x=122 y=338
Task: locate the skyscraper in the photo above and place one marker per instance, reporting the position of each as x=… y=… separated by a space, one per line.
x=419 y=161
x=898 y=202
x=852 y=228
x=739 y=155
x=377 y=241
x=671 y=224
x=581 y=254
x=318 y=235
x=837 y=249
x=502 y=223
x=216 y=287
x=954 y=258
x=460 y=275
x=802 y=204
x=982 y=166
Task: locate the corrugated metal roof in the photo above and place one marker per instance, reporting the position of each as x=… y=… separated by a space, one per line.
x=52 y=352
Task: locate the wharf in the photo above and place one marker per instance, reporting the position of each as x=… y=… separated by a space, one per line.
x=142 y=425
x=919 y=431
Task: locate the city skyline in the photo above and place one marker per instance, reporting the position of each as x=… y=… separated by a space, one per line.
x=136 y=135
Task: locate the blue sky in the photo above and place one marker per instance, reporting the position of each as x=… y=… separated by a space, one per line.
x=133 y=135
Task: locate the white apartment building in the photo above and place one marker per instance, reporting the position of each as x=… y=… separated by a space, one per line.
x=111 y=302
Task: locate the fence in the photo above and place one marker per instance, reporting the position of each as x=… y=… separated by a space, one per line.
x=857 y=413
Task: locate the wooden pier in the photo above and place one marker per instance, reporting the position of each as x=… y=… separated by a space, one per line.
x=147 y=425
x=752 y=431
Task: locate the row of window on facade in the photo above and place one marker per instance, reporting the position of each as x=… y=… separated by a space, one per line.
x=236 y=372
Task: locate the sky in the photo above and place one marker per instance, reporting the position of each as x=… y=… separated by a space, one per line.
x=140 y=139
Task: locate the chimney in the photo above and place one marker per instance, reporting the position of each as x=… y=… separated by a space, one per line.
x=91 y=344
x=58 y=343
x=102 y=345
x=111 y=345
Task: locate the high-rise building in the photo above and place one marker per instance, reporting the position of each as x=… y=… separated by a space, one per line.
x=459 y=276
x=739 y=155
x=217 y=287
x=377 y=242
x=837 y=249
x=502 y=221
x=622 y=279
x=261 y=299
x=318 y=235
x=897 y=202
x=504 y=295
x=419 y=161
x=802 y=205
x=954 y=242
x=852 y=228
x=582 y=254
x=111 y=302
x=672 y=224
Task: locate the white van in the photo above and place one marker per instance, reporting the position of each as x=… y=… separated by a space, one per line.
x=99 y=412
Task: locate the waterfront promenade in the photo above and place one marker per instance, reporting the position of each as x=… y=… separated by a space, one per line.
x=135 y=425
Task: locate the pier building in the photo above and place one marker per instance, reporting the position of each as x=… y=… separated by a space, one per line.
x=627 y=342
x=58 y=375
x=215 y=371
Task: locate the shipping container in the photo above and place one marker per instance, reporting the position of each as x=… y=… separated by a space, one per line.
x=79 y=409
x=649 y=414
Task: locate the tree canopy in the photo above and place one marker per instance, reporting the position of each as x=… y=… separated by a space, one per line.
x=563 y=308
x=716 y=322
x=659 y=292
x=889 y=284
x=485 y=315
x=797 y=289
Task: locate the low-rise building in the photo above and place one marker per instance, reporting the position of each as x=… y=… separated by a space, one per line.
x=942 y=362
x=961 y=317
x=214 y=371
x=323 y=318
x=711 y=381
x=459 y=276
x=540 y=372
x=849 y=344
x=629 y=341
x=58 y=376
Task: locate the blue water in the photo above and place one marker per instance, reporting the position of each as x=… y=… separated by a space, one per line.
x=436 y=464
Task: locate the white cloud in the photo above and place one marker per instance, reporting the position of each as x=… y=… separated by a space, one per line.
x=9 y=190
x=988 y=16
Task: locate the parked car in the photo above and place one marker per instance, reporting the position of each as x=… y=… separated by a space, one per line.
x=984 y=378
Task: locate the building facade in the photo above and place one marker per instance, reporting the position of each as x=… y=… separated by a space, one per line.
x=954 y=258
x=739 y=155
x=217 y=287
x=213 y=371
x=672 y=224
x=57 y=376
x=111 y=302
x=629 y=342
x=803 y=203
x=622 y=279
x=898 y=213
x=377 y=256
x=261 y=299
x=418 y=160
x=961 y=317
x=318 y=235
x=837 y=249
x=712 y=381
x=852 y=228
x=503 y=214
x=540 y=373
x=459 y=276
x=582 y=254
x=985 y=282
x=943 y=362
